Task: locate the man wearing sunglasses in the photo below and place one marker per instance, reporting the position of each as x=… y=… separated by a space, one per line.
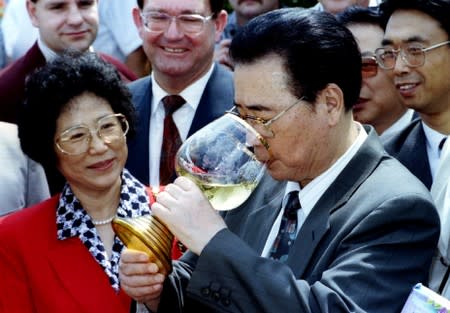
x=416 y=48
x=336 y=224
x=379 y=104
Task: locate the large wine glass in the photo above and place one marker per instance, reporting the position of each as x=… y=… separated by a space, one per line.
x=219 y=158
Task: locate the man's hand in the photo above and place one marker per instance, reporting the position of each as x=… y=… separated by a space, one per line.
x=139 y=278
x=188 y=214
x=222 y=54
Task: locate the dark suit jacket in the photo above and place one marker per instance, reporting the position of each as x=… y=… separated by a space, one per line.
x=367 y=241
x=217 y=97
x=39 y=273
x=410 y=148
x=12 y=80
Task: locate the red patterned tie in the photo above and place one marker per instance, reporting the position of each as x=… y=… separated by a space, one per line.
x=171 y=140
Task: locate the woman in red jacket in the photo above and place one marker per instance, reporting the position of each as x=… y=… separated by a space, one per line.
x=62 y=254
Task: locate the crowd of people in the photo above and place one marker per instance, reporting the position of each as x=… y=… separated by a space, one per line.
x=351 y=100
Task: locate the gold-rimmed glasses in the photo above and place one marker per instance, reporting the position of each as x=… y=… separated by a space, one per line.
x=261 y=125
x=155 y=21
x=76 y=140
x=412 y=54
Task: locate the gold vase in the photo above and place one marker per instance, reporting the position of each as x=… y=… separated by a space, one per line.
x=149 y=235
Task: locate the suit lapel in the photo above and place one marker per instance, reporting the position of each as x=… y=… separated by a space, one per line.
x=253 y=220
x=139 y=149
x=318 y=221
x=33 y=59
x=216 y=98
x=415 y=145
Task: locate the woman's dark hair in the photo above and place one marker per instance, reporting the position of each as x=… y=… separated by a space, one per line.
x=49 y=90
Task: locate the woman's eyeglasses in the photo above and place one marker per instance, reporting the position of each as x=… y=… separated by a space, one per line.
x=111 y=129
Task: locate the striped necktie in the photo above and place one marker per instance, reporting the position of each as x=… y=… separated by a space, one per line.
x=288 y=228
x=171 y=140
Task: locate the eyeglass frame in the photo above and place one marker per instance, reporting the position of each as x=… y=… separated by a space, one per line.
x=97 y=131
x=264 y=122
x=369 y=57
x=204 y=19
x=401 y=51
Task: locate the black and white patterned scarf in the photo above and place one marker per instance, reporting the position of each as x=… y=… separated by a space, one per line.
x=73 y=221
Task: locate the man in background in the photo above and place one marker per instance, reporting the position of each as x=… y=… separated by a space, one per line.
x=186 y=89
x=416 y=47
x=243 y=11
x=379 y=103
x=336 y=6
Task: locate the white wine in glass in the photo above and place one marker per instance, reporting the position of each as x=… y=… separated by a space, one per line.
x=219 y=159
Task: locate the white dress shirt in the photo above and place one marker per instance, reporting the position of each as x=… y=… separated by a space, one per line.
x=312 y=192
x=399 y=124
x=440 y=191
x=434 y=138
x=182 y=117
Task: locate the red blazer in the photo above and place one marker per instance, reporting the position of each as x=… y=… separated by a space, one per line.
x=39 y=273
x=12 y=80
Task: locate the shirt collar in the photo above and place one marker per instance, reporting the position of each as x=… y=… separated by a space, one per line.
x=434 y=137
x=311 y=193
x=399 y=124
x=48 y=53
x=191 y=94
x=72 y=219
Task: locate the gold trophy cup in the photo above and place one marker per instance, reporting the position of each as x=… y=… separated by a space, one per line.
x=219 y=159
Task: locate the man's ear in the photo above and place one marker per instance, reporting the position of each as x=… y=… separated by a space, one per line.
x=220 y=22
x=31 y=9
x=334 y=103
x=138 y=21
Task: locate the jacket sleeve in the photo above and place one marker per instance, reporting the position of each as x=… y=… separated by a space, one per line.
x=371 y=269
x=15 y=295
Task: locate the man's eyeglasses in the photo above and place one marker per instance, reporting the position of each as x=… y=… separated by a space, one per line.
x=369 y=66
x=76 y=140
x=159 y=22
x=412 y=54
x=262 y=126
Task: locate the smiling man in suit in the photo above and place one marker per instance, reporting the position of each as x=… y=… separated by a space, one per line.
x=416 y=47
x=62 y=25
x=178 y=38
x=337 y=226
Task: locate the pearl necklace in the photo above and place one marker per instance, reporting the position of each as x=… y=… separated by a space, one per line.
x=103 y=222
